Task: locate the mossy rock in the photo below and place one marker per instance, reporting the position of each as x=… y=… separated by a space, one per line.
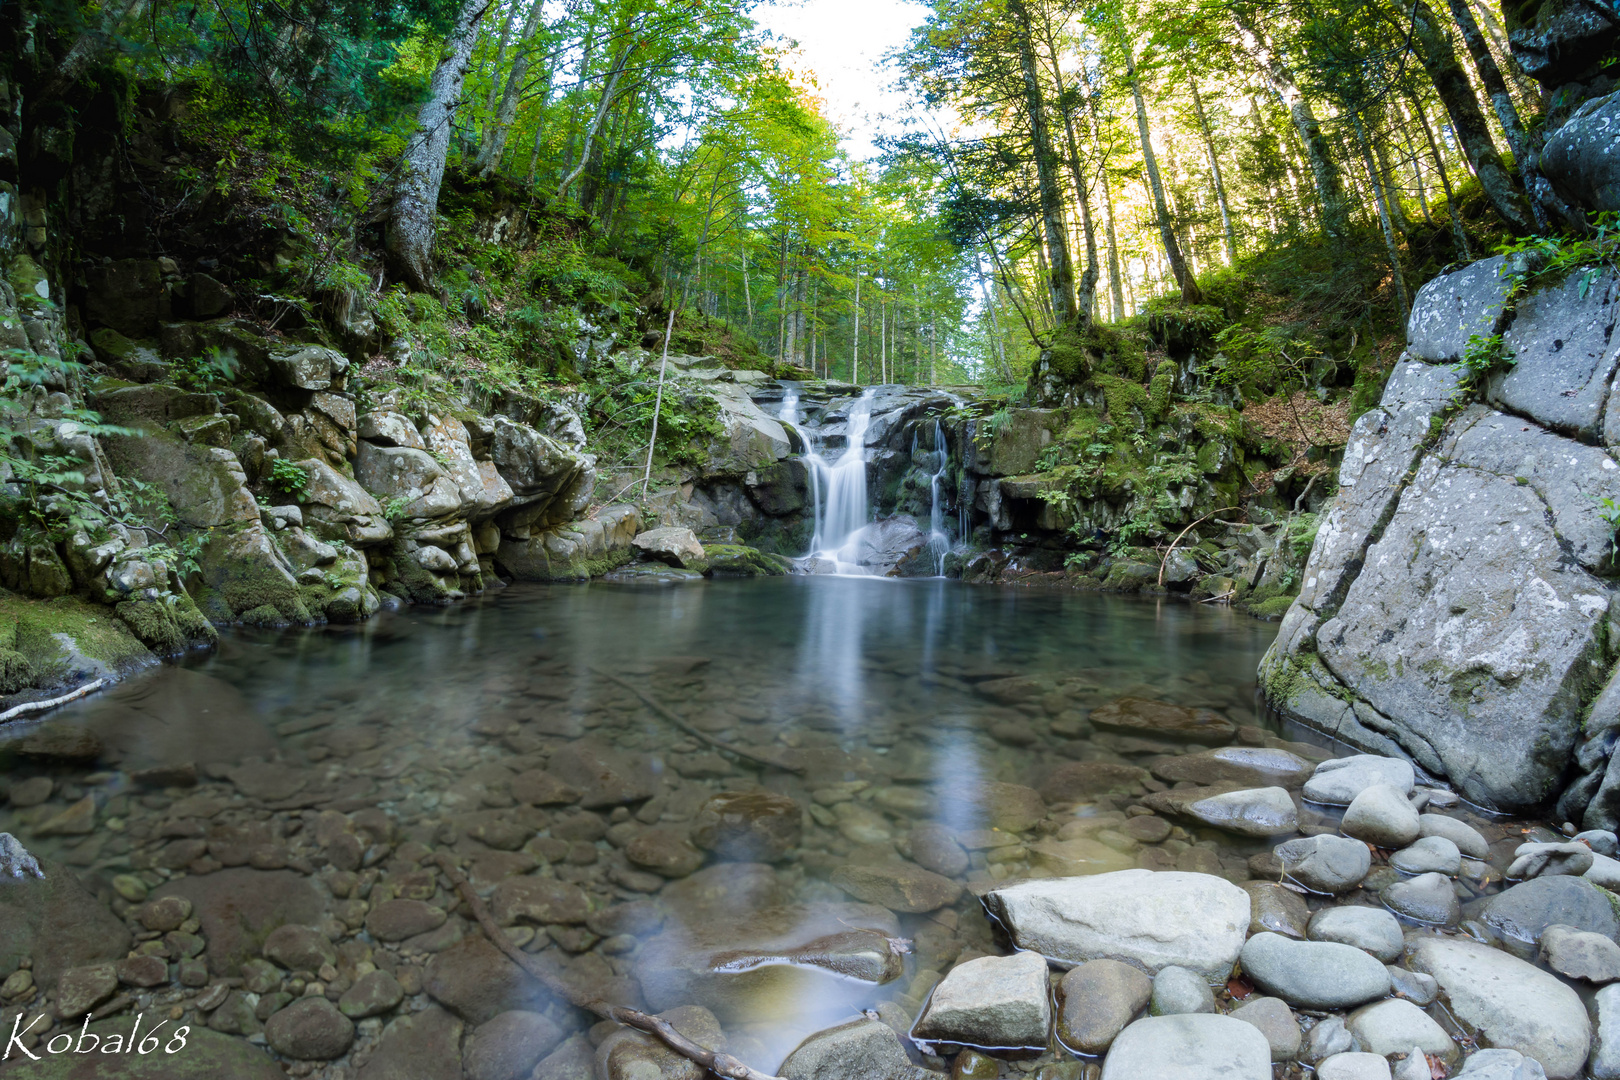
x=1274 y=608
x=264 y=615
x=736 y=560
x=168 y=626
x=16 y=673
x=67 y=640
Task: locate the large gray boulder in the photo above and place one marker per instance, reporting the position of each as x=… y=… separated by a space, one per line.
x=1455 y=307
x=1582 y=158
x=410 y=478
x=1563 y=359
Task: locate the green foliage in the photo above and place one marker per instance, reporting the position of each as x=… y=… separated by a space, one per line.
x=288 y=478
x=1543 y=261
x=1484 y=356
x=1263 y=360
x=205 y=372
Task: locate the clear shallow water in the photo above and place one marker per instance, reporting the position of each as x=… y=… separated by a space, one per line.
x=897 y=700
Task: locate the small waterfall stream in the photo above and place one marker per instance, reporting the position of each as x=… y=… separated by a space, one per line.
x=939 y=541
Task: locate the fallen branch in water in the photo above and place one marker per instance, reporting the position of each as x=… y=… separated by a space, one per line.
x=669 y=714
x=28 y=707
x=718 y=1063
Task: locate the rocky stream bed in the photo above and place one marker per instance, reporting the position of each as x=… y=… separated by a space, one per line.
x=987 y=852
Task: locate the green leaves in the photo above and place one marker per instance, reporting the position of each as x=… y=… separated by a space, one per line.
x=288 y=478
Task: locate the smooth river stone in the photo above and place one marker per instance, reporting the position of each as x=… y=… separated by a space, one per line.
x=1325 y=864
x=1464 y=835
x=1428 y=898
x=1099 y=998
x=1248 y=765
x=1250 y=812
x=748 y=826
x=1313 y=974
x=1338 y=781
x=933 y=848
x=852 y=1051
x=1177 y=990
x=1525 y=910
x=1381 y=816
x=1272 y=907
x=1193 y=1046
x=1357 y=1065
x=1150 y=918
x=1077 y=781
x=993 y=1002
x=1139 y=716
x=1512 y=1003
x=1074 y=858
x=1395 y=1026
x=1581 y=954
x=1428 y=855
x=1276 y=1022
x=1369 y=929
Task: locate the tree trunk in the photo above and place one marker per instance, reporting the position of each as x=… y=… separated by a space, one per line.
x=1086 y=294
x=494 y=144
x=855 y=337
x=1167 y=232
x=1061 y=281
x=1215 y=170
x=1329 y=185
x=490 y=98
x=410 y=224
x=1116 y=287
x=1490 y=76
x=1458 y=233
x=1381 y=198
x=610 y=94
x=1467 y=121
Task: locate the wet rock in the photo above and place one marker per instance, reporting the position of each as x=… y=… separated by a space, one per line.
x=1099 y=997
x=238 y=909
x=396 y=920
x=372 y=994
x=1252 y=812
x=509 y=1046
x=299 y=948
x=1072 y=858
x=1139 y=716
x=422 y=1046
x=1415 y=986
x=1274 y=908
x=1257 y=766
x=1325 y=864
x=1601 y=841
x=628 y=1055
x=1153 y=919
x=79 y=819
x=748 y=826
x=165 y=914
x=606 y=777
x=861 y=824
x=1077 y=781
x=1428 y=855
x=310 y=1029
x=933 y=848
x=536 y=787
x=1146 y=829
x=666 y=852
x=1313 y=974
x=1189 y=1047
x=541 y=901
x=268 y=780
x=748 y=964
x=32 y=791
x=575 y=1059
x=81 y=989
x=1371 y=930
x=1354 y=1066
x=1581 y=954
x=1338 y=781
x=1177 y=990
x=1464 y=835
x=235 y=1016
x=994 y=1001
x=143 y=971
x=57 y=923
x=1525 y=910
x=1428 y=898
x=1381 y=816
x=1513 y=1004
x=1276 y=1022
x=1009 y=807
x=1395 y=1026
x=897 y=886
x=972 y=1065
x=1550 y=860
x=473 y=980
x=858 y=1050
x=1327 y=1038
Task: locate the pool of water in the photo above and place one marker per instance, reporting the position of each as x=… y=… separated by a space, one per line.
x=576 y=736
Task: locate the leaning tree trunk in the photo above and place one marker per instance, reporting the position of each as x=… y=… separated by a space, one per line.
x=1215 y=170
x=408 y=233
x=1490 y=76
x=1329 y=184
x=1190 y=293
x=1382 y=199
x=1435 y=53
x=1116 y=287
x=1086 y=294
x=494 y=144
x=1061 y=280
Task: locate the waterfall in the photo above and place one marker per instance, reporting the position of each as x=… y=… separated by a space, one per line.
x=939 y=542
x=838 y=490
x=790 y=407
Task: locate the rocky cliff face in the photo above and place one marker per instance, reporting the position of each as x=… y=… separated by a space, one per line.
x=1458 y=605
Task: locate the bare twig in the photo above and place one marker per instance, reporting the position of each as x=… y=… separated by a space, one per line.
x=29 y=707
x=1166 y=560
x=718 y=1063
x=669 y=714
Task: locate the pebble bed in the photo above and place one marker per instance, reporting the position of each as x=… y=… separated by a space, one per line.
x=1012 y=833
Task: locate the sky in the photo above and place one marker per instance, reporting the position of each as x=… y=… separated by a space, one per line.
x=842 y=42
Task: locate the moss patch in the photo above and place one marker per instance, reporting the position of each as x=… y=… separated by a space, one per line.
x=735 y=560
x=67 y=640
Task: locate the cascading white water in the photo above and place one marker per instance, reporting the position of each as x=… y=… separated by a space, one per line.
x=939 y=542
x=838 y=490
